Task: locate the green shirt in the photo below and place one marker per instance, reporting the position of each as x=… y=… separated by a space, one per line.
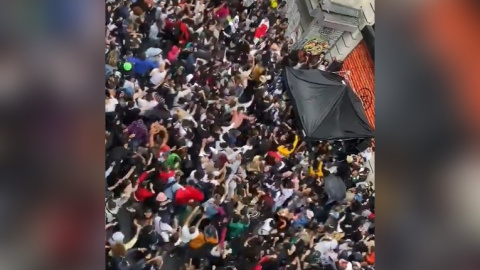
x=173 y=161
x=236 y=229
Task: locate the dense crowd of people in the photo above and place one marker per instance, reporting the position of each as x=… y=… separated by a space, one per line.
x=204 y=166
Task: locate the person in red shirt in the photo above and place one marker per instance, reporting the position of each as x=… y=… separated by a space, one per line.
x=169 y=24
x=222 y=11
x=166 y=173
x=263 y=260
x=266 y=201
x=184 y=33
x=163 y=152
x=261 y=30
x=272 y=158
x=188 y=194
x=145 y=190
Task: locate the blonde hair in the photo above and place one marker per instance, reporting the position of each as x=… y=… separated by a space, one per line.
x=181 y=114
x=112 y=59
x=118 y=250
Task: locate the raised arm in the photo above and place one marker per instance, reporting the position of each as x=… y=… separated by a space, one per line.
x=132 y=242
x=109 y=170
x=218 y=8
x=189 y=218
x=165 y=139
x=109 y=225
x=123 y=178
x=200 y=221
x=130 y=172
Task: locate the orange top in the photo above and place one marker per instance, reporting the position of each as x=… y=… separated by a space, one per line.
x=370 y=258
x=201 y=240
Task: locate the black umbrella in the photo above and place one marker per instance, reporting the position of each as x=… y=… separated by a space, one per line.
x=335 y=188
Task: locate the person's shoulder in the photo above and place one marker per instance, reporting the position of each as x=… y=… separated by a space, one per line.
x=153 y=63
x=185 y=229
x=132 y=59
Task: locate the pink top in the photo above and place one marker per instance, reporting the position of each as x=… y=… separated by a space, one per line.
x=237 y=119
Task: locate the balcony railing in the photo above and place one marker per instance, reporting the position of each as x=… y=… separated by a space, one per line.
x=329 y=6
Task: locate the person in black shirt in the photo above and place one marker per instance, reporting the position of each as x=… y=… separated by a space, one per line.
x=210 y=78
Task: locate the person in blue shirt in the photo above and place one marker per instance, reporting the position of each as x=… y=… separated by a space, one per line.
x=142 y=67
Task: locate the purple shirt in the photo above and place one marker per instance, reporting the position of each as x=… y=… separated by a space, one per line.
x=140 y=130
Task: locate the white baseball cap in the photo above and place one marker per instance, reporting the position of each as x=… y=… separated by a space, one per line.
x=118 y=237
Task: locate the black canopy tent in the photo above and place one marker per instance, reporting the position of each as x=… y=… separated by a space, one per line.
x=326 y=107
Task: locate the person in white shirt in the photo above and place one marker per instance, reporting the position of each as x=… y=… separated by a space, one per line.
x=231 y=185
x=154 y=30
x=145 y=105
x=199 y=7
x=157 y=75
x=110 y=104
x=266 y=227
x=218 y=255
x=188 y=232
x=127 y=192
x=111 y=210
x=367 y=154
x=217 y=251
x=284 y=194
x=326 y=246
x=180 y=94
x=163 y=229
x=129 y=84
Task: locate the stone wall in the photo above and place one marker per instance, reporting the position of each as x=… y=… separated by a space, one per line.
x=295 y=29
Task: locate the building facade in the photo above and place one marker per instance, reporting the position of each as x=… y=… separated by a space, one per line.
x=337 y=24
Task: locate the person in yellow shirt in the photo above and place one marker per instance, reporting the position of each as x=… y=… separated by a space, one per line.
x=316 y=169
x=284 y=151
x=118 y=248
x=257 y=71
x=274 y=4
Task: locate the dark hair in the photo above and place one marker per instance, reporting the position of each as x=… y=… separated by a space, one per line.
x=199 y=174
x=289 y=185
x=164 y=168
x=111 y=204
x=144 y=184
x=142 y=56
